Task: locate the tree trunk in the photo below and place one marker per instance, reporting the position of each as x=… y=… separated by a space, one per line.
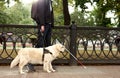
x=118 y=21
x=66 y=13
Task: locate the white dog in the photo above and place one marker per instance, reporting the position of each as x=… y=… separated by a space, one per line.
x=35 y=56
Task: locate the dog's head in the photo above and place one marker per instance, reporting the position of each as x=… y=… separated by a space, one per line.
x=60 y=47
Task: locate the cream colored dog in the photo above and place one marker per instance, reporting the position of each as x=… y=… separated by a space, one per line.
x=34 y=56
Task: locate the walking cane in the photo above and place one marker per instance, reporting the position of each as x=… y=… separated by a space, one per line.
x=76 y=59
x=74 y=56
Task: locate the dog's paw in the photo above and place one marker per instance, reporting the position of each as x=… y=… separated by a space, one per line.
x=53 y=70
x=27 y=71
x=49 y=71
x=22 y=72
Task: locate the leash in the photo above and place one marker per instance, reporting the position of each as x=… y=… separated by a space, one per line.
x=44 y=50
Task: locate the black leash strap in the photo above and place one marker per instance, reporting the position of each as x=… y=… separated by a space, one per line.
x=45 y=51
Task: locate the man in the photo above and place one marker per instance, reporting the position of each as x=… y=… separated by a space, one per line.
x=42 y=13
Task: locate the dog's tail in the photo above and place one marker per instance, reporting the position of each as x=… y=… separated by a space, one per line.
x=15 y=61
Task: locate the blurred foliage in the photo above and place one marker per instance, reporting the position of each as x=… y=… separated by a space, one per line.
x=17 y=14
x=82 y=19
x=103 y=6
x=20 y=14
x=58 y=14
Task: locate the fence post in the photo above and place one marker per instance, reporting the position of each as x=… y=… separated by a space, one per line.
x=73 y=35
x=4 y=44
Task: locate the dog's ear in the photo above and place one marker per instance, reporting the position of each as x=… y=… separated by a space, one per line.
x=57 y=41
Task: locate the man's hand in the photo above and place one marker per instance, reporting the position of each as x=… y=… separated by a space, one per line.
x=42 y=28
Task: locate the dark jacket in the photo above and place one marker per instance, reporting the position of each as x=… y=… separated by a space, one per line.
x=41 y=13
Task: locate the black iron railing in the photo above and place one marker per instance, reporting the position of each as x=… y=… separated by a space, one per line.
x=89 y=44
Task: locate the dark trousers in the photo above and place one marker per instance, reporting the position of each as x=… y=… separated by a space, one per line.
x=44 y=40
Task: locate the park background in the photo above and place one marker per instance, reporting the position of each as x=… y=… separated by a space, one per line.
x=104 y=13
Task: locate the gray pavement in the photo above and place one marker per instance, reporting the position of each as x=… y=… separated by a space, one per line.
x=106 y=71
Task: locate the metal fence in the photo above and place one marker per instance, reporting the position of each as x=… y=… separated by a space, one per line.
x=91 y=45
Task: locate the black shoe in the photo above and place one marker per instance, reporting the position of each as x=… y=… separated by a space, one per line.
x=33 y=70
x=30 y=68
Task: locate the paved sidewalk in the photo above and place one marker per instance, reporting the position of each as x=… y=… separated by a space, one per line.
x=112 y=71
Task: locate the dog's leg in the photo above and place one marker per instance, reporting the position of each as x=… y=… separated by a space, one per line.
x=22 y=63
x=51 y=68
x=46 y=67
x=20 y=70
x=46 y=63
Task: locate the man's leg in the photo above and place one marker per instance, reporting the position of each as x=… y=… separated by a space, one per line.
x=30 y=67
x=48 y=36
x=39 y=41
